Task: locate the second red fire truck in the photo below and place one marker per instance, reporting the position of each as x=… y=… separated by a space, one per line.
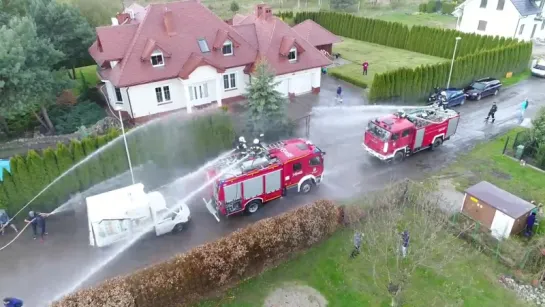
x=268 y=172
x=396 y=136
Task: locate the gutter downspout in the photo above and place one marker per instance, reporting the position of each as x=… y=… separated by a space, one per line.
x=517 y=28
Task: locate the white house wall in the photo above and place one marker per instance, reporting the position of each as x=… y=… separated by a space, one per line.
x=144 y=101
x=503 y=23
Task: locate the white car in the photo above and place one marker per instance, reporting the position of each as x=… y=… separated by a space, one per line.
x=538 y=68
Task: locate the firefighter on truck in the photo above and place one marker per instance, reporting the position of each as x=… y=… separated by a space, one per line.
x=394 y=137
x=269 y=172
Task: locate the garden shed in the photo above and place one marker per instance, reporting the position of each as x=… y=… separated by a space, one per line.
x=317 y=35
x=498 y=210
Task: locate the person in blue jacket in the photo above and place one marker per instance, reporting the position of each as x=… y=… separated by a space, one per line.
x=37 y=219
x=339 y=97
x=12 y=302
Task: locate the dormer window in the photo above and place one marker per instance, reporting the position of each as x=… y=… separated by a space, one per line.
x=227 y=48
x=292 y=56
x=203 y=45
x=157 y=59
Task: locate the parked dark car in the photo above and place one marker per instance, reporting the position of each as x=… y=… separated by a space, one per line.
x=482 y=88
x=449 y=98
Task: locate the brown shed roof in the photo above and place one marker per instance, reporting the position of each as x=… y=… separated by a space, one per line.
x=499 y=199
x=315 y=33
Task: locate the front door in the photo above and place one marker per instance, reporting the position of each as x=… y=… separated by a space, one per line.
x=533 y=31
x=198 y=93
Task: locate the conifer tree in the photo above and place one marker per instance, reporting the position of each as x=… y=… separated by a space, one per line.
x=266 y=106
x=22 y=177
x=4 y=201
x=14 y=200
x=36 y=168
x=82 y=171
x=50 y=197
x=66 y=185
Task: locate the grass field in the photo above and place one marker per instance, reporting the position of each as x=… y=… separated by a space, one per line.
x=469 y=279
x=516 y=78
x=380 y=59
x=90 y=75
x=486 y=162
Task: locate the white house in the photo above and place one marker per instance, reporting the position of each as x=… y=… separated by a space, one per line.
x=520 y=19
x=179 y=55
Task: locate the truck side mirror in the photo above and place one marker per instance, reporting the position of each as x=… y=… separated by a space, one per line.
x=323 y=153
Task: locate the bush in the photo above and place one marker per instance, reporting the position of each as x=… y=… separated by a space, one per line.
x=115 y=292
x=447 y=8
x=349 y=79
x=69 y=118
x=165 y=142
x=18 y=124
x=189 y=277
x=431 y=6
x=422 y=7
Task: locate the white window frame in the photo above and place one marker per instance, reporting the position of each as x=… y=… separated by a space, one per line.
x=118 y=91
x=156 y=54
x=231 y=81
x=203 y=90
x=161 y=93
x=294 y=51
x=227 y=43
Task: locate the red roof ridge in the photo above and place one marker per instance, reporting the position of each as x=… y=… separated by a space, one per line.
x=194 y=61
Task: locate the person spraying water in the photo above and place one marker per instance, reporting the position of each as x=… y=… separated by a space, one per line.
x=37 y=219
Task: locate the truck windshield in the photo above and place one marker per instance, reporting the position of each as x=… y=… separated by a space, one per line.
x=381 y=133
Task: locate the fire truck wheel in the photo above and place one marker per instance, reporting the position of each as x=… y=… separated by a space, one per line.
x=436 y=143
x=399 y=156
x=306 y=187
x=253 y=206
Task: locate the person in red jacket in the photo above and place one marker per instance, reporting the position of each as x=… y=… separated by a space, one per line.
x=365 y=65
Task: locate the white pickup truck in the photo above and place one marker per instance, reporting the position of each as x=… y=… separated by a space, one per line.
x=124 y=213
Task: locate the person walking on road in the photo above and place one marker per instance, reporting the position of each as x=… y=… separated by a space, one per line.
x=365 y=65
x=492 y=111
x=4 y=222
x=12 y=302
x=523 y=108
x=404 y=243
x=37 y=219
x=339 y=97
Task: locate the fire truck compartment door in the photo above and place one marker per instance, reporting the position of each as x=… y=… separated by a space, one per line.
x=273 y=182
x=452 y=126
x=419 y=138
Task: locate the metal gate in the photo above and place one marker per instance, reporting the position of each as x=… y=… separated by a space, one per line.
x=302 y=126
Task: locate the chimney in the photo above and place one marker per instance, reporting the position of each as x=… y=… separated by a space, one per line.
x=115 y=22
x=168 y=20
x=259 y=10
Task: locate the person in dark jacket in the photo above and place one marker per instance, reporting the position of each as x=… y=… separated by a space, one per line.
x=530 y=224
x=339 y=94
x=37 y=219
x=492 y=111
x=357 y=244
x=404 y=243
x=12 y=302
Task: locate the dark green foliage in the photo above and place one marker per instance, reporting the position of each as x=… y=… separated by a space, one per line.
x=22 y=178
x=234 y=7
x=69 y=118
x=94 y=167
x=4 y=201
x=422 y=7
x=38 y=176
x=81 y=173
x=14 y=200
x=49 y=198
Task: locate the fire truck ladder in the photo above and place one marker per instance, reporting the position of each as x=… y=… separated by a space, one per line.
x=276 y=145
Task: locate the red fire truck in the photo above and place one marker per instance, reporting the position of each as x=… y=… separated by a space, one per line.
x=294 y=165
x=396 y=136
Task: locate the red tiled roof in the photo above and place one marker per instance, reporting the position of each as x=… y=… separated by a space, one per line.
x=270 y=33
x=315 y=34
x=113 y=42
x=195 y=61
x=191 y=21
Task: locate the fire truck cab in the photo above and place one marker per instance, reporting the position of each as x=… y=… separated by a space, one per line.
x=396 y=136
x=279 y=169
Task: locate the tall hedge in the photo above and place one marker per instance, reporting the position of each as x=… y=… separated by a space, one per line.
x=476 y=56
x=171 y=143
x=188 y=278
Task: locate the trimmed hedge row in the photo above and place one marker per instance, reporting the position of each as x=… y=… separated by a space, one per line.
x=201 y=272
x=417 y=82
x=170 y=143
x=422 y=39
x=349 y=79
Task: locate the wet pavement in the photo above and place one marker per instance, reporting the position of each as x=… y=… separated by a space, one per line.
x=37 y=271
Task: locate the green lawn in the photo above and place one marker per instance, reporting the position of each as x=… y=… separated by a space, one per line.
x=486 y=162
x=469 y=279
x=90 y=75
x=380 y=59
x=412 y=19
x=516 y=78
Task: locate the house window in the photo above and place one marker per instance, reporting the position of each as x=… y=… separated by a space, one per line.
x=484 y=3
x=501 y=4
x=157 y=59
x=197 y=92
x=203 y=45
x=521 y=29
x=118 y=96
x=227 y=48
x=482 y=25
x=230 y=81
x=162 y=94
x=292 y=56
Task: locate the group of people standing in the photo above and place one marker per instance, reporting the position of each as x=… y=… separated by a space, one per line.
x=403 y=247
x=36 y=220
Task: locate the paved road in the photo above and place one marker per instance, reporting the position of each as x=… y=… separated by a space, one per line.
x=38 y=272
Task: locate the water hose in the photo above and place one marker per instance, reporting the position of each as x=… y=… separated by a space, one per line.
x=17 y=236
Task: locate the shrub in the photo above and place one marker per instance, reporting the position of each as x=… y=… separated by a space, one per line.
x=115 y=292
x=422 y=7
x=448 y=7
x=189 y=277
x=68 y=118
x=431 y=6
x=349 y=79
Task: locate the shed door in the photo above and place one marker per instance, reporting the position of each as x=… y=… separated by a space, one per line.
x=501 y=225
